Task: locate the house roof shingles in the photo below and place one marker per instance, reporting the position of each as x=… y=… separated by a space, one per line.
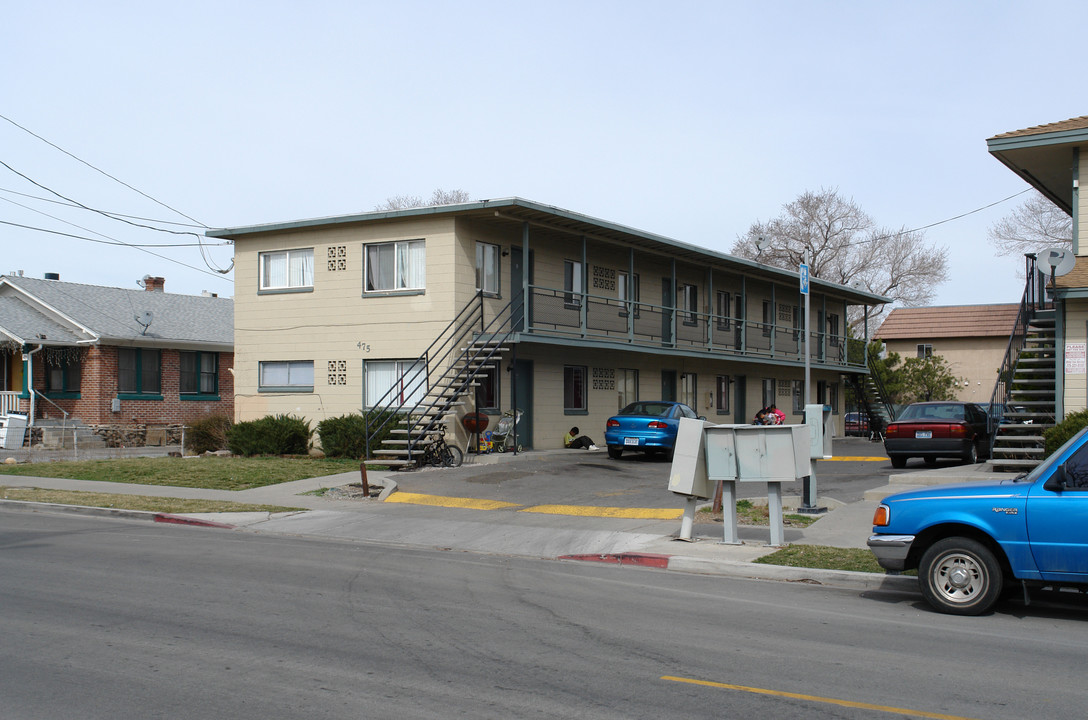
x=949 y=321
x=111 y=313
x=1077 y=123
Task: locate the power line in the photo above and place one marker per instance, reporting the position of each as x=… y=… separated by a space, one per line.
x=118 y=242
x=106 y=212
x=111 y=177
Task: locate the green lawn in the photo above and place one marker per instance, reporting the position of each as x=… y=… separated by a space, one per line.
x=214 y=473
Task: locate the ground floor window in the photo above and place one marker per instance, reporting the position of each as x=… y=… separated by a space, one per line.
x=199 y=373
x=286 y=376
x=627 y=387
x=833 y=397
x=721 y=400
x=574 y=389
x=689 y=389
x=394 y=383
x=798 y=396
x=487 y=391
x=768 y=392
x=62 y=374
x=138 y=371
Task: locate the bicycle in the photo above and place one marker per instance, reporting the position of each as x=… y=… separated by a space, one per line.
x=439 y=453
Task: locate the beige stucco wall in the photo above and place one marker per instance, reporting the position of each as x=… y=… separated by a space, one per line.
x=973 y=360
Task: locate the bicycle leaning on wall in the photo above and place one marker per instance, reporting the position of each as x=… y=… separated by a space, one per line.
x=440 y=454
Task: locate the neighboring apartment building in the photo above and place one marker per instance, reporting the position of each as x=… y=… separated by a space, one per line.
x=971 y=338
x=1050 y=159
x=113 y=356
x=333 y=315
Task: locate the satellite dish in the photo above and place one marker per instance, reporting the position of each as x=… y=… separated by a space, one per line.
x=1058 y=261
x=144 y=320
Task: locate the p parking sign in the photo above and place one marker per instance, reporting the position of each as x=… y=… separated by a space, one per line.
x=804 y=279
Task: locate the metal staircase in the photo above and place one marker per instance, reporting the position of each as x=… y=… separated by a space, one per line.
x=872 y=400
x=1025 y=384
x=1017 y=442
x=442 y=377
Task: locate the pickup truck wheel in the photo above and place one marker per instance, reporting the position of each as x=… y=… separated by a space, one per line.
x=960 y=576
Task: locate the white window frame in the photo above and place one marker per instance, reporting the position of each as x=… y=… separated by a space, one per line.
x=573 y=283
x=297 y=270
x=487 y=268
x=409 y=271
x=285 y=376
x=407 y=377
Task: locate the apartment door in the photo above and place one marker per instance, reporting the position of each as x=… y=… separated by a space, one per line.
x=517 y=286
x=521 y=395
x=668 y=385
x=740 y=390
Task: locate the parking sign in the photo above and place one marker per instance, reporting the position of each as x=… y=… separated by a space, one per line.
x=804 y=279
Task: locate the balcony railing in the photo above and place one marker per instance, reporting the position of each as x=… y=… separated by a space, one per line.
x=592 y=317
x=9 y=402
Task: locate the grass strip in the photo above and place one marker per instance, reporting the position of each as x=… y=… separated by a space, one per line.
x=211 y=473
x=825 y=558
x=134 y=502
x=749 y=513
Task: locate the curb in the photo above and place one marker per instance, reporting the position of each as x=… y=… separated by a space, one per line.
x=847 y=579
x=112 y=512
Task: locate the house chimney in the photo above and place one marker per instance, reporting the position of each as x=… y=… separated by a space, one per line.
x=154 y=284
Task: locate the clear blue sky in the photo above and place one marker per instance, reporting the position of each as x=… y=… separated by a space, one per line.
x=687 y=119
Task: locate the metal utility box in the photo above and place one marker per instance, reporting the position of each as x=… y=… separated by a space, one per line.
x=772 y=453
x=688 y=475
x=12 y=431
x=818 y=418
x=721 y=452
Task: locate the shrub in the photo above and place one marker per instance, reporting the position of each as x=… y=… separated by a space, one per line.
x=1056 y=436
x=207 y=434
x=345 y=436
x=270 y=435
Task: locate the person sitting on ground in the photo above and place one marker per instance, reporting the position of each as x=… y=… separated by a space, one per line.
x=575 y=441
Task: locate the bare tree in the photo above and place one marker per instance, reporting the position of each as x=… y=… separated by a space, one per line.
x=1033 y=226
x=847 y=247
x=438 y=197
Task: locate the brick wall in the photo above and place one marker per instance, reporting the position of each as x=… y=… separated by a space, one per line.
x=98 y=388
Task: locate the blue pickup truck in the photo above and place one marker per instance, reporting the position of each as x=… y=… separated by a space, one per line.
x=970 y=543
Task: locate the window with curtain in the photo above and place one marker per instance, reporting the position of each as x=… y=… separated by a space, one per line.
x=199 y=373
x=287 y=269
x=572 y=283
x=723 y=310
x=722 y=394
x=286 y=376
x=394 y=383
x=487 y=268
x=394 y=266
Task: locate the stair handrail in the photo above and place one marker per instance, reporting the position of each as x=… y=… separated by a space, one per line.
x=472 y=358
x=1034 y=298
x=418 y=378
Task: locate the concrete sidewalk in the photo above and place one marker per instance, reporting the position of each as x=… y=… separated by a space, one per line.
x=511 y=529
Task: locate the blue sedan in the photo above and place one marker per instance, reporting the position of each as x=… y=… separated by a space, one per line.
x=649 y=426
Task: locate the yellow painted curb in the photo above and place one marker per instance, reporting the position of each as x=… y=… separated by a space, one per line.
x=607 y=512
x=854 y=459
x=450 y=502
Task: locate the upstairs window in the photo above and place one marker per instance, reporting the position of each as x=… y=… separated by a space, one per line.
x=395 y=266
x=572 y=283
x=925 y=351
x=487 y=268
x=287 y=269
x=689 y=301
x=723 y=309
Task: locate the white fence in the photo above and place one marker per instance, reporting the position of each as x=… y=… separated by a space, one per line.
x=9 y=402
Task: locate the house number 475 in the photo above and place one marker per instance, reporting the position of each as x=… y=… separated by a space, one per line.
x=365 y=347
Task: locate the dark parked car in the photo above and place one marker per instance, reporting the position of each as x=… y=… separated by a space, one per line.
x=649 y=426
x=856 y=423
x=932 y=430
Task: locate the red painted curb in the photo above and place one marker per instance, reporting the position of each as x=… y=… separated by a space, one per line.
x=182 y=520
x=654 y=560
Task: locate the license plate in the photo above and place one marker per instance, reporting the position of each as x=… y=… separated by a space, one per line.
x=923 y=434
x=630 y=441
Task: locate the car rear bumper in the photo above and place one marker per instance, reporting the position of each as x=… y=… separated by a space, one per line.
x=891 y=551
x=936 y=447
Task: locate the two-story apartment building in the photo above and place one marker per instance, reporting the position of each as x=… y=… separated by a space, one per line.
x=334 y=315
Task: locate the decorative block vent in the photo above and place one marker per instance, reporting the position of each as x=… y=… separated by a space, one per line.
x=604 y=278
x=604 y=379
x=338 y=372
x=338 y=257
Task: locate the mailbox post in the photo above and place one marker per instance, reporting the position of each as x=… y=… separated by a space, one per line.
x=688 y=474
x=818 y=419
